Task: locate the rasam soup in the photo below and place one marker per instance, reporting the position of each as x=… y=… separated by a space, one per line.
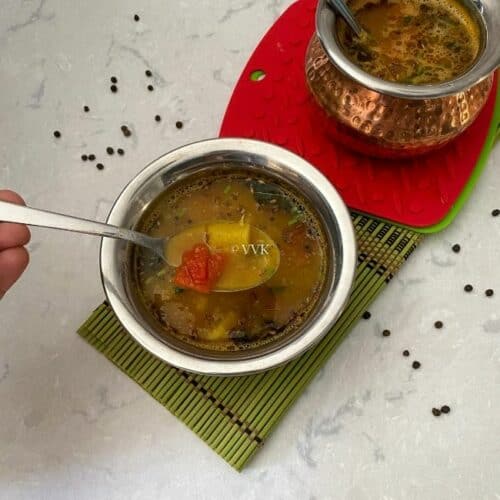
x=189 y=309
x=412 y=41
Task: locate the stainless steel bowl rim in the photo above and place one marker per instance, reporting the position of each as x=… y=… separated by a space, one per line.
x=487 y=62
x=113 y=282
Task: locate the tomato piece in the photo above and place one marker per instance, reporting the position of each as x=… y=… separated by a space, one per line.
x=197 y=263
x=215 y=267
x=182 y=278
x=200 y=269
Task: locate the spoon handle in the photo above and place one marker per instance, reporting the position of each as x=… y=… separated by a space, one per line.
x=344 y=11
x=9 y=212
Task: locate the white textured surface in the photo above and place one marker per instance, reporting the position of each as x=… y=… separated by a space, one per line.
x=73 y=427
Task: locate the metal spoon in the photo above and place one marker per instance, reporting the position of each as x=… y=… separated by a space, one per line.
x=19 y=214
x=341 y=8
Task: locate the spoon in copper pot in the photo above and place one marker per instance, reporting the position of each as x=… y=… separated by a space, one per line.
x=254 y=259
x=341 y=8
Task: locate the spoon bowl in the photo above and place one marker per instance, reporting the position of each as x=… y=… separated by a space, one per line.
x=252 y=257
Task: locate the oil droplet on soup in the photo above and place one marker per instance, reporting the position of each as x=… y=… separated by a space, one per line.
x=234 y=320
x=416 y=42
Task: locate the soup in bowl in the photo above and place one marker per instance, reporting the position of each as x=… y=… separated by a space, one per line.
x=233 y=189
x=193 y=310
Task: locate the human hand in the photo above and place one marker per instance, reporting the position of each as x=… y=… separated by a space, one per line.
x=14 y=257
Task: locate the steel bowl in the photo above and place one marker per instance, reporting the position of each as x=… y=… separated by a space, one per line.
x=254 y=157
x=394 y=120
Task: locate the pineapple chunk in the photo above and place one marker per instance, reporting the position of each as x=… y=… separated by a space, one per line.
x=225 y=235
x=221 y=330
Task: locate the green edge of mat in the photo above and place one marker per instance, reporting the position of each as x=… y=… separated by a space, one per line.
x=236 y=415
x=493 y=135
x=481 y=164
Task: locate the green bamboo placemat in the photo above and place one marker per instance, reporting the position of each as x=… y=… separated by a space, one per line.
x=236 y=415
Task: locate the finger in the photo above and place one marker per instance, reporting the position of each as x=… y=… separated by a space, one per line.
x=12 y=235
x=13 y=262
x=11 y=197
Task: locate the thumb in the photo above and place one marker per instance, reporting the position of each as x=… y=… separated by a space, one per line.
x=13 y=262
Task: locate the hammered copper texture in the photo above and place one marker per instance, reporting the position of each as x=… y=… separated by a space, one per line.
x=280 y=109
x=393 y=125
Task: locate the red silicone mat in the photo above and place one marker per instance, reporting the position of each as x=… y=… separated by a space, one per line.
x=271 y=102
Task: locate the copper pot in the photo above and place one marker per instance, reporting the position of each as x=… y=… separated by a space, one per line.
x=392 y=120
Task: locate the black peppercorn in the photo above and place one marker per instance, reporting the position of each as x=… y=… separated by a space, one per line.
x=120 y=151
x=416 y=365
x=495 y=212
x=436 y=412
x=406 y=353
x=110 y=150
x=158 y=118
x=367 y=315
x=149 y=73
x=100 y=166
x=438 y=325
x=86 y=109
x=85 y=157
x=489 y=293
x=179 y=125
x=150 y=88
x=445 y=409
x=114 y=89
x=57 y=134
x=386 y=333
x=468 y=288
x=456 y=248
x=126 y=131
x=91 y=157
x=136 y=18
x=114 y=79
